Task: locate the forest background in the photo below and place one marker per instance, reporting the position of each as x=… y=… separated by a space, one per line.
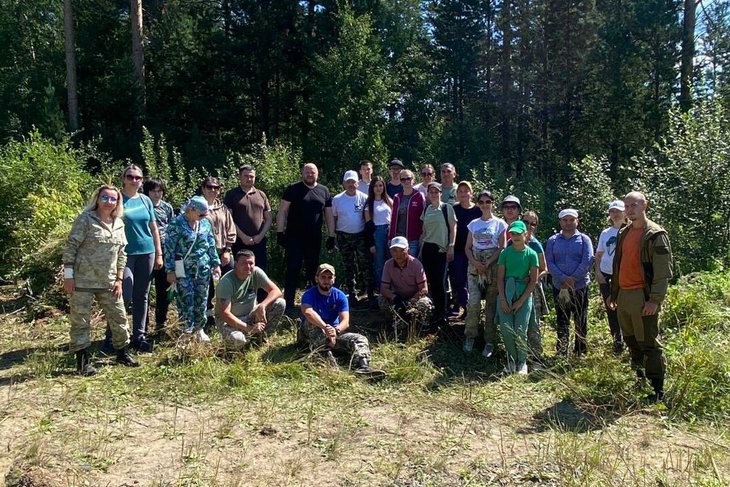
x=559 y=102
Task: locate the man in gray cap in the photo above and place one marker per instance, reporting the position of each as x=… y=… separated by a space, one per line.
x=569 y=255
x=511 y=209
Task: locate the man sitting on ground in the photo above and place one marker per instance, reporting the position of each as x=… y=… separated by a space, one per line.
x=238 y=315
x=326 y=321
x=403 y=288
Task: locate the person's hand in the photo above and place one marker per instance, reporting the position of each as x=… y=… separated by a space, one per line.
x=450 y=254
x=117 y=289
x=281 y=239
x=158 y=261
x=68 y=286
x=331 y=243
x=216 y=273
x=258 y=327
x=256 y=239
x=610 y=304
x=505 y=305
x=372 y=249
x=599 y=278
x=171 y=278
x=517 y=305
x=570 y=281
x=259 y=314
x=331 y=334
x=649 y=309
x=225 y=257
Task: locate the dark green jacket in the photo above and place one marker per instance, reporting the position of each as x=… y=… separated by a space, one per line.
x=656 y=262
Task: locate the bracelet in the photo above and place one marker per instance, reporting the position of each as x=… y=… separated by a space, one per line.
x=118 y=279
x=68 y=272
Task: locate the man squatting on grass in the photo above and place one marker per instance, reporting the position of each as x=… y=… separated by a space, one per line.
x=326 y=319
x=642 y=267
x=238 y=314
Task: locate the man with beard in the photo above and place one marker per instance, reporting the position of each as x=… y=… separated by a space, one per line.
x=326 y=320
x=303 y=208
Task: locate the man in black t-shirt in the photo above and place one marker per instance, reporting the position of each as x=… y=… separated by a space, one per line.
x=303 y=208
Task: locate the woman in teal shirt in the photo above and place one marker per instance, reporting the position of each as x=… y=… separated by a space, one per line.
x=144 y=252
x=517 y=269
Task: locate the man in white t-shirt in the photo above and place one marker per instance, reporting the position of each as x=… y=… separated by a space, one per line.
x=348 y=209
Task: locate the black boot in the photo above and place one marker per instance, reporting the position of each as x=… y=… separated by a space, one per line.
x=364 y=370
x=83 y=365
x=658 y=385
x=123 y=358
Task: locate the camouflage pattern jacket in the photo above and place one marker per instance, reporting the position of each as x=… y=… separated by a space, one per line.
x=95 y=250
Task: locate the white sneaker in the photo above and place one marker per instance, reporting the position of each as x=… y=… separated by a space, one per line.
x=488 y=350
x=202 y=336
x=522 y=369
x=468 y=345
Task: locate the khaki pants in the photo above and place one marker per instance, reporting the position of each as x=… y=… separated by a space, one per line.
x=482 y=287
x=80 y=318
x=641 y=333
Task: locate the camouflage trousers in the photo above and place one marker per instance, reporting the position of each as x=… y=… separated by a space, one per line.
x=356 y=260
x=192 y=300
x=235 y=338
x=482 y=287
x=354 y=343
x=418 y=313
x=80 y=318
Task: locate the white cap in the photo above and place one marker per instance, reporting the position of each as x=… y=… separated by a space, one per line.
x=616 y=205
x=350 y=176
x=400 y=242
x=568 y=212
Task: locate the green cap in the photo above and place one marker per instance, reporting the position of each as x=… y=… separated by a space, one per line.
x=517 y=227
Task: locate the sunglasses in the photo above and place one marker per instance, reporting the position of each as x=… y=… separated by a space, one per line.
x=214 y=188
x=132 y=177
x=485 y=202
x=406 y=179
x=530 y=224
x=426 y=174
x=105 y=198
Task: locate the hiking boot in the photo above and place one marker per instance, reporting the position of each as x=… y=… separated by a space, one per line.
x=142 y=346
x=468 y=345
x=364 y=370
x=123 y=358
x=83 y=364
x=658 y=386
x=488 y=350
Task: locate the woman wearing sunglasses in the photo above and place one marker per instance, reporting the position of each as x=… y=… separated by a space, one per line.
x=93 y=267
x=224 y=232
x=144 y=253
x=191 y=260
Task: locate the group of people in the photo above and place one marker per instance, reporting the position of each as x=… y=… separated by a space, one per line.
x=419 y=252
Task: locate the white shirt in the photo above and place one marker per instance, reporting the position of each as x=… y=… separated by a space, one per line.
x=382 y=212
x=607 y=245
x=349 y=212
x=485 y=233
x=363 y=187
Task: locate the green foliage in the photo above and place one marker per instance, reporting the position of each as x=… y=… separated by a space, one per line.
x=43 y=185
x=589 y=190
x=686 y=181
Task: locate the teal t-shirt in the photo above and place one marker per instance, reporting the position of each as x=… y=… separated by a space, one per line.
x=138 y=213
x=241 y=293
x=517 y=263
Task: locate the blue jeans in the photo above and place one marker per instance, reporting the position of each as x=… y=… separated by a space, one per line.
x=413 y=247
x=381 y=252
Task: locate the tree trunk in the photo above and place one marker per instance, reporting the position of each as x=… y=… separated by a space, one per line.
x=135 y=12
x=688 y=54
x=71 y=83
x=506 y=82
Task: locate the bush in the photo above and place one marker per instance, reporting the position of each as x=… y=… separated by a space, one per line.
x=43 y=185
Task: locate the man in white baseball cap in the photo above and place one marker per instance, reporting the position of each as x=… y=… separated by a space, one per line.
x=569 y=255
x=348 y=209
